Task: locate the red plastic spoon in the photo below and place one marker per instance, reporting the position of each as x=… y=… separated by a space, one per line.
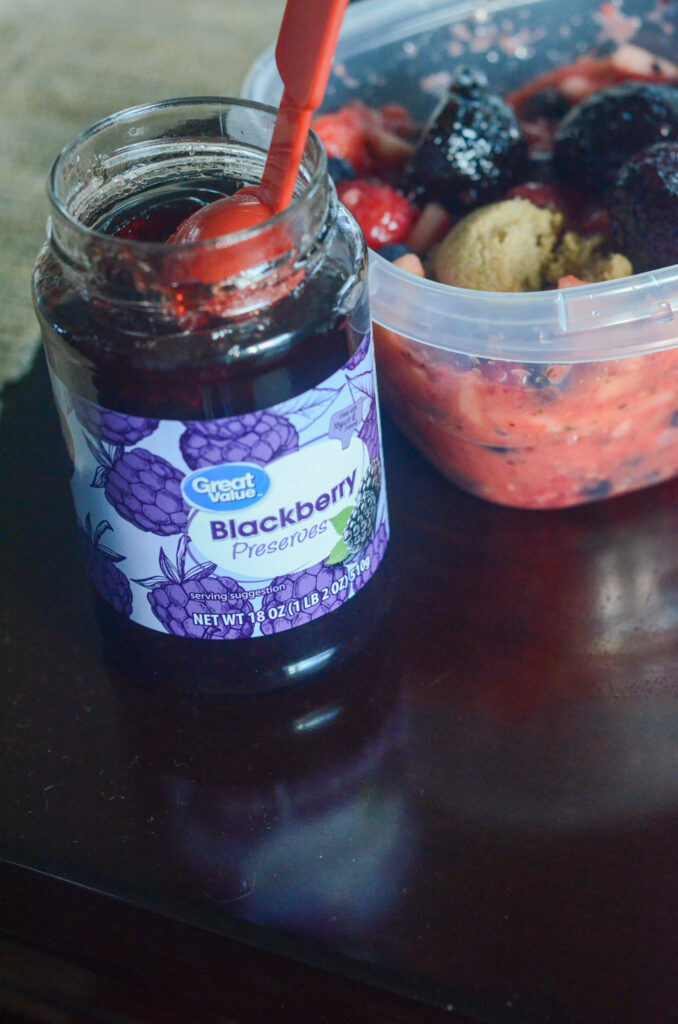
x=304 y=52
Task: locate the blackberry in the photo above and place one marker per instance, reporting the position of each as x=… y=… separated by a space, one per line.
x=644 y=208
x=360 y=526
x=318 y=579
x=143 y=488
x=258 y=437
x=472 y=150
x=112 y=427
x=600 y=134
x=111 y=583
x=196 y=603
x=375 y=552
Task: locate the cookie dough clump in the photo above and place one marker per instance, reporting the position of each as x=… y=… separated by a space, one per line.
x=516 y=246
x=584 y=256
x=503 y=247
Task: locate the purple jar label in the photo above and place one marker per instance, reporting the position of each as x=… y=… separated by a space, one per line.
x=236 y=527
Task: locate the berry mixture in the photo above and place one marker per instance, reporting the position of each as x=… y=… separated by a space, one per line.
x=570 y=180
x=561 y=143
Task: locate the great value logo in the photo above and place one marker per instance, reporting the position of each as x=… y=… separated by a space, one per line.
x=227 y=487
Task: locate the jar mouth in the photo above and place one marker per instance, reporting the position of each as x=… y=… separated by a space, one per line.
x=310 y=187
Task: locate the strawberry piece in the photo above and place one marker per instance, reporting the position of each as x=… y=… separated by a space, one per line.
x=570 y=281
x=410 y=261
x=383 y=213
x=430 y=228
x=587 y=75
x=635 y=62
x=346 y=134
x=371 y=140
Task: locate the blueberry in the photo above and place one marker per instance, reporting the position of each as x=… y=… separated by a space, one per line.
x=598 y=489
x=340 y=169
x=394 y=251
x=536 y=377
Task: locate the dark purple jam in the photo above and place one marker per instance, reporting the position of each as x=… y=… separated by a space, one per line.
x=156 y=219
x=145 y=364
x=156 y=362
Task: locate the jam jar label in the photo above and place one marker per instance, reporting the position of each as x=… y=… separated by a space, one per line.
x=235 y=527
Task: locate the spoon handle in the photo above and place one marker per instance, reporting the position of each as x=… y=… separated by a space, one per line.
x=306 y=44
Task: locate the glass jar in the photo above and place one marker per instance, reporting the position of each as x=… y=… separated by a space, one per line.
x=218 y=401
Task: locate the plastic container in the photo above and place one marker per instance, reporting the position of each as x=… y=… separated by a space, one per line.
x=538 y=400
x=218 y=401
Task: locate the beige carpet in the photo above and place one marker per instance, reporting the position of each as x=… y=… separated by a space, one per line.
x=66 y=63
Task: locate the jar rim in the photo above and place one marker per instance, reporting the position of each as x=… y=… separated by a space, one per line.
x=317 y=175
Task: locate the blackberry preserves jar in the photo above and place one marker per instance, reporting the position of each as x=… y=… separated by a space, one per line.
x=218 y=401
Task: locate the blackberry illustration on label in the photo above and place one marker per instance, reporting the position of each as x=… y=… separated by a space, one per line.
x=236 y=527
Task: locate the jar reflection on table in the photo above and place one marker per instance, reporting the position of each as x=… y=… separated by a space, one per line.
x=285 y=810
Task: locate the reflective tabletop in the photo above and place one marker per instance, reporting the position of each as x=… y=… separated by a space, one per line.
x=473 y=819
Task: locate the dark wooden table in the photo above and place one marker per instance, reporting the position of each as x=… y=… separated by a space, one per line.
x=477 y=820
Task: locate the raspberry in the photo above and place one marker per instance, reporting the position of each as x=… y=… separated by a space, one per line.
x=472 y=148
x=295 y=587
x=598 y=136
x=258 y=437
x=111 y=583
x=181 y=600
x=383 y=213
x=644 y=208
x=114 y=427
x=375 y=552
x=360 y=526
x=143 y=488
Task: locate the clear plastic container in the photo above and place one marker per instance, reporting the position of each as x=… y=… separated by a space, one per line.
x=542 y=399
